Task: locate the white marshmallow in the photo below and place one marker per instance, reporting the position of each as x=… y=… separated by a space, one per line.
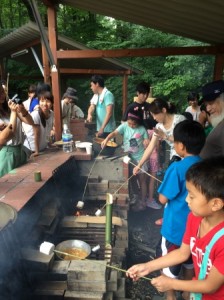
x=96 y=248
x=126 y=159
x=80 y=204
x=98 y=212
x=109 y=198
x=47 y=248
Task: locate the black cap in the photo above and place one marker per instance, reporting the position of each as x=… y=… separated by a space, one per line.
x=212 y=90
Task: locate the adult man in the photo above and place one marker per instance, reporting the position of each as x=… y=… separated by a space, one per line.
x=213 y=96
x=103 y=103
x=140 y=104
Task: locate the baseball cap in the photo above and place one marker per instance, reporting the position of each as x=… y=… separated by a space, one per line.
x=212 y=90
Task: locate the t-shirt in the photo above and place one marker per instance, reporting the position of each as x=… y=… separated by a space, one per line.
x=66 y=112
x=44 y=131
x=177 y=119
x=198 y=245
x=18 y=138
x=214 y=144
x=174 y=189
x=101 y=110
x=133 y=140
x=195 y=114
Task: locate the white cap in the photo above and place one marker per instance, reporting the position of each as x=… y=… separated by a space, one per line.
x=65 y=126
x=126 y=159
x=47 y=248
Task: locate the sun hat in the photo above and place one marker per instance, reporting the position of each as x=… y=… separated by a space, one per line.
x=70 y=93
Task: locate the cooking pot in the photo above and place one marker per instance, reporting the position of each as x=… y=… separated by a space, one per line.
x=73 y=247
x=109 y=149
x=7 y=214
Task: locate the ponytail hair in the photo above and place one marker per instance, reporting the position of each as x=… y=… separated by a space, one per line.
x=158 y=104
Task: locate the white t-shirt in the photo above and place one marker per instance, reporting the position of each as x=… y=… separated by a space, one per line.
x=44 y=131
x=195 y=114
x=18 y=138
x=177 y=119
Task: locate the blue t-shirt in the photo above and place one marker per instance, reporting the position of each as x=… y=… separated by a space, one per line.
x=34 y=102
x=101 y=112
x=133 y=140
x=176 y=210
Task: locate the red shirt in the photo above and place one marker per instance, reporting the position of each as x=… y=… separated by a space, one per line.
x=197 y=246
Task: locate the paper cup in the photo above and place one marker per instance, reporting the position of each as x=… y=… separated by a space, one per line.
x=89 y=149
x=47 y=248
x=126 y=159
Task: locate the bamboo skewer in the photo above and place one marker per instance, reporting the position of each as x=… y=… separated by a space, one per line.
x=108 y=266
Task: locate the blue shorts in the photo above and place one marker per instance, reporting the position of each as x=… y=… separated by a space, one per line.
x=164 y=247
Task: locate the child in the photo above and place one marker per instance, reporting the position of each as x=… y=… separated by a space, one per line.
x=153 y=169
x=37 y=136
x=135 y=139
x=204 y=182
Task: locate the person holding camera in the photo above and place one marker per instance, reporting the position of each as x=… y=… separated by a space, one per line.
x=12 y=114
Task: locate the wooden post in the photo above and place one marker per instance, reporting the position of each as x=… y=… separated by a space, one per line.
x=55 y=75
x=219 y=66
x=125 y=93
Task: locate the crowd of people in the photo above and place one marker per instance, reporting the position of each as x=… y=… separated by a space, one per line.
x=191 y=192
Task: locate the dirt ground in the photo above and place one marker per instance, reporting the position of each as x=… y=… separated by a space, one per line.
x=144 y=235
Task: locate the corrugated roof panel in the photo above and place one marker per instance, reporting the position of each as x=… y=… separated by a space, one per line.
x=28 y=33
x=201 y=20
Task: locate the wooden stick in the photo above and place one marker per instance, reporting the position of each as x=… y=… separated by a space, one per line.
x=96 y=261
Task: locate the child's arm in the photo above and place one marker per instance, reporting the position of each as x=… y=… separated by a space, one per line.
x=36 y=131
x=207 y=286
x=163 y=199
x=147 y=153
x=110 y=136
x=173 y=258
x=146 y=143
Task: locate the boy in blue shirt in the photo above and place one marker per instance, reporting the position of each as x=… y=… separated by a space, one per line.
x=189 y=138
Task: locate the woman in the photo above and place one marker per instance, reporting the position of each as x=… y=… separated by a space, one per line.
x=164 y=113
x=38 y=135
x=12 y=154
x=193 y=107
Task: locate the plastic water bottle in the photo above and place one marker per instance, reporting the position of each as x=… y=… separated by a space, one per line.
x=67 y=139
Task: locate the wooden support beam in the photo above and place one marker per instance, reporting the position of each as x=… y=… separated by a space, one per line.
x=205 y=50
x=94 y=71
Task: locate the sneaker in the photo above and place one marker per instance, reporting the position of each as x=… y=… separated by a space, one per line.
x=153 y=204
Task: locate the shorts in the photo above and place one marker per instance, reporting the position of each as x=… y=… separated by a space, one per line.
x=165 y=247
